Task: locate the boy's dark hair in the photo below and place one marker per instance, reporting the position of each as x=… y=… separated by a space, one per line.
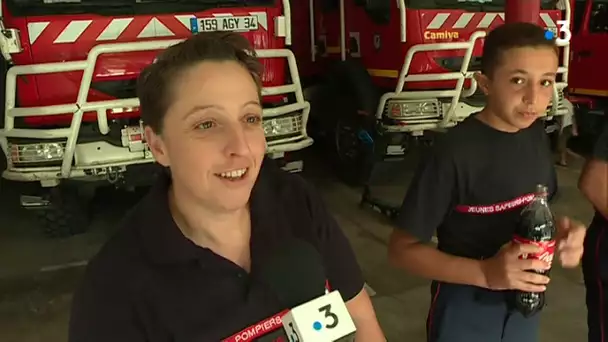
x=155 y=83
x=509 y=36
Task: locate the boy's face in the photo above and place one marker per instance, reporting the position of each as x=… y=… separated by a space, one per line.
x=521 y=86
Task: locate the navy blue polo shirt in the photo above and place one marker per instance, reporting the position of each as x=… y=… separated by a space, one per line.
x=150 y=283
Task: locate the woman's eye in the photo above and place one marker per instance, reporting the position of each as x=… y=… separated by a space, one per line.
x=205 y=125
x=254 y=119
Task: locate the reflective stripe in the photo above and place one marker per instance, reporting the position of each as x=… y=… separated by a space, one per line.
x=35 y=29
x=549 y=22
x=58 y=32
x=155 y=28
x=487 y=20
x=438 y=21
x=71 y=33
x=480 y=20
x=114 y=29
x=463 y=21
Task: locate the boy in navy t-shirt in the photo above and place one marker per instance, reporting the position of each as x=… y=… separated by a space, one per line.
x=470 y=190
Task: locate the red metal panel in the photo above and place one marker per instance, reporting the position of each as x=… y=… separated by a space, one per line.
x=522 y=11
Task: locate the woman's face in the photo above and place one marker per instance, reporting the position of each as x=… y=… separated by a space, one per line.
x=212 y=138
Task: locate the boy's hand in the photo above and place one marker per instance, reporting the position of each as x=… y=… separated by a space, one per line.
x=570 y=239
x=505 y=271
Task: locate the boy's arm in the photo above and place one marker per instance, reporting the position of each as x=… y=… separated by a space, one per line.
x=418 y=257
x=430 y=198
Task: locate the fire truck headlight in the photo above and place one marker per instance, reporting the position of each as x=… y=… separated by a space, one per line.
x=36 y=153
x=283 y=125
x=413 y=109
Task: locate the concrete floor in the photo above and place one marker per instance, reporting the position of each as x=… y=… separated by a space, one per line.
x=38 y=275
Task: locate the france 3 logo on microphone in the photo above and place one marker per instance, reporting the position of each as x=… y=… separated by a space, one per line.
x=323 y=319
x=561 y=33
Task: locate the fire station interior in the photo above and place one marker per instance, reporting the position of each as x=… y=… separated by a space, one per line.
x=39 y=270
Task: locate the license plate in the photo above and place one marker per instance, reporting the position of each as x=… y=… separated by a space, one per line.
x=133 y=138
x=227 y=23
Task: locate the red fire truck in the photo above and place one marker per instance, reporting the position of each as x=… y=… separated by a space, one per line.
x=71 y=115
x=589 y=54
x=393 y=69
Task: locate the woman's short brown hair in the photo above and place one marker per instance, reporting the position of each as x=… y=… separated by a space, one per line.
x=156 y=81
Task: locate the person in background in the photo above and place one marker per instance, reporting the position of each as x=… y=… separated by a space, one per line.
x=184 y=265
x=568 y=130
x=470 y=189
x=593 y=183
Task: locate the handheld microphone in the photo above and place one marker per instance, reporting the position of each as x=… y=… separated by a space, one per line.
x=323 y=319
x=297 y=276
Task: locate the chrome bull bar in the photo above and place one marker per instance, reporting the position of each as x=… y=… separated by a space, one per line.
x=299 y=111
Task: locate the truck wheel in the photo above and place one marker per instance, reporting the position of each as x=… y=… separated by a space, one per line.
x=68 y=214
x=352 y=121
x=353 y=146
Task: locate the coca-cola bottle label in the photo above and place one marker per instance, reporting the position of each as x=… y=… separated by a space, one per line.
x=546 y=255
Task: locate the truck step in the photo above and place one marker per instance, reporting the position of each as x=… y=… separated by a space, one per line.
x=34 y=202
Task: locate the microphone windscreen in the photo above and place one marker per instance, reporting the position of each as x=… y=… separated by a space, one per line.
x=295 y=273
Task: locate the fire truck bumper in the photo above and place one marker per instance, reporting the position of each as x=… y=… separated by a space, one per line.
x=52 y=155
x=96 y=161
x=462 y=111
x=42 y=161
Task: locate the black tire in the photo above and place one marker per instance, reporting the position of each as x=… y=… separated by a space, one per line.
x=349 y=112
x=352 y=155
x=352 y=78
x=68 y=214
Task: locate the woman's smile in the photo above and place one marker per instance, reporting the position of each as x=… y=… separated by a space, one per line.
x=237 y=177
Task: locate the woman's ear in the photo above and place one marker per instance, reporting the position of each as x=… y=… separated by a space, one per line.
x=157 y=146
x=483 y=82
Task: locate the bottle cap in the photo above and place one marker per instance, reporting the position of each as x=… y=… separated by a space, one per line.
x=542 y=189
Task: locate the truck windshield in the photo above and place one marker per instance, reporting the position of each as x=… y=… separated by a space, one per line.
x=469 y=5
x=21 y=8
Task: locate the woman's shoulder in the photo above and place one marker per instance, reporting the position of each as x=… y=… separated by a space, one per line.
x=120 y=258
x=287 y=198
x=290 y=195
x=284 y=185
x=110 y=288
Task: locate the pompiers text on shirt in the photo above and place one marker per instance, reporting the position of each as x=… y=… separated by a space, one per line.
x=258 y=329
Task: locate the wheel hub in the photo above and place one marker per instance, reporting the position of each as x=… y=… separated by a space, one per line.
x=348 y=141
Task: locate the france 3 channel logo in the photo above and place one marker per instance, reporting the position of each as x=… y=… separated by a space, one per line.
x=561 y=33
